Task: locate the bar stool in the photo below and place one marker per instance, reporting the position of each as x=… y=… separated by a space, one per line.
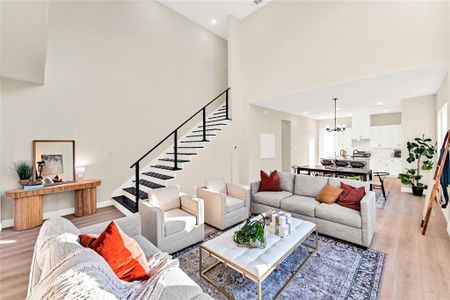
x=341 y=163
x=379 y=184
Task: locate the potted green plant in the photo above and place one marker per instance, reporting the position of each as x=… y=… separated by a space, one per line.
x=420 y=151
x=24 y=171
x=251 y=234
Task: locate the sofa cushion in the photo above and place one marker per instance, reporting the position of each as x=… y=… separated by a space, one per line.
x=217 y=185
x=287 y=181
x=166 y=198
x=272 y=199
x=176 y=220
x=339 y=214
x=309 y=186
x=146 y=246
x=233 y=204
x=336 y=182
x=121 y=252
x=329 y=194
x=300 y=205
x=351 y=197
x=269 y=183
x=178 y=285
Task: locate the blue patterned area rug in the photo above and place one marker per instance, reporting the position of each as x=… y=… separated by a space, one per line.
x=339 y=270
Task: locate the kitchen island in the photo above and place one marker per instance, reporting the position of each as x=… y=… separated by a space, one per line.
x=364 y=174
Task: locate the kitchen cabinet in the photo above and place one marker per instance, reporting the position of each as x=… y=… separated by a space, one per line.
x=391 y=165
x=385 y=136
x=343 y=140
x=360 y=127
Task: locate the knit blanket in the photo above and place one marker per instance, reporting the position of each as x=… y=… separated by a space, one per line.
x=83 y=274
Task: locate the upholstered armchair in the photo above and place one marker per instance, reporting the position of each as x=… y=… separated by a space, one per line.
x=225 y=204
x=172 y=220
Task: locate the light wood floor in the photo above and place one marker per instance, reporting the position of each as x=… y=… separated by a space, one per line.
x=417 y=267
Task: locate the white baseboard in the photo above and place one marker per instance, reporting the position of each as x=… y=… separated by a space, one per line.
x=406 y=189
x=56 y=213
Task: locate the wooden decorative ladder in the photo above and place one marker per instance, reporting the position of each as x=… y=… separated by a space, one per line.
x=432 y=195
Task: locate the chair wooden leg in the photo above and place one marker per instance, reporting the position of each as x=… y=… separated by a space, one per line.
x=382 y=189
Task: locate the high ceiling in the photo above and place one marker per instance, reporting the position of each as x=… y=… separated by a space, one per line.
x=213 y=14
x=376 y=95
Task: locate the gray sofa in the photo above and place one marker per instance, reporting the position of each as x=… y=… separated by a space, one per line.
x=177 y=284
x=297 y=197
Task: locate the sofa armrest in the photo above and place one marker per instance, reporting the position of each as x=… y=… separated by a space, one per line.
x=194 y=206
x=130 y=225
x=368 y=211
x=152 y=222
x=254 y=187
x=241 y=192
x=214 y=204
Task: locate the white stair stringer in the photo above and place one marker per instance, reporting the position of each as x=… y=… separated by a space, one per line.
x=154 y=176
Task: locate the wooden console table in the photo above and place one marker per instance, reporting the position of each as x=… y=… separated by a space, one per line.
x=28 y=211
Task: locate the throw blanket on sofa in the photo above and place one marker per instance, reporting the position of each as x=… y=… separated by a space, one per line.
x=83 y=274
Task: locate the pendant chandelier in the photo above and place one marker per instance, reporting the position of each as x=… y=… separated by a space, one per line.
x=337 y=127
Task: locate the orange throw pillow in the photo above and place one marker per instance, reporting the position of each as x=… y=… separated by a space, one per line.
x=122 y=253
x=329 y=194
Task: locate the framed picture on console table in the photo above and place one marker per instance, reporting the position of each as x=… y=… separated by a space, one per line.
x=54 y=161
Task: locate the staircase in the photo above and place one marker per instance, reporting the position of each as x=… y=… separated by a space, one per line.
x=165 y=166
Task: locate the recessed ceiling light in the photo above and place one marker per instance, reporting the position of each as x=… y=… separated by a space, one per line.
x=338 y=108
x=379 y=103
x=385 y=110
x=214 y=21
x=305 y=112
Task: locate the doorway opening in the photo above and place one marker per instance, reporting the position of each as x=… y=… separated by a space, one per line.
x=286 y=145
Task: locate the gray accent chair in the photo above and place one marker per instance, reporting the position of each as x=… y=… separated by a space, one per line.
x=59 y=230
x=298 y=197
x=226 y=204
x=172 y=220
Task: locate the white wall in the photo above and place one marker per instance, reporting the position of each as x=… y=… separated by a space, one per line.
x=414 y=109
x=120 y=76
x=303 y=139
x=23 y=40
x=291 y=46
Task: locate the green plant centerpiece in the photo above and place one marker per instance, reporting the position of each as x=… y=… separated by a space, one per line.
x=251 y=234
x=24 y=171
x=421 y=152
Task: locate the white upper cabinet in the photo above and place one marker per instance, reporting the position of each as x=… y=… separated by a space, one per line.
x=386 y=136
x=360 y=127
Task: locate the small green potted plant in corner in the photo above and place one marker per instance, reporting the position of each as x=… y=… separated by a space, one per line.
x=421 y=152
x=24 y=171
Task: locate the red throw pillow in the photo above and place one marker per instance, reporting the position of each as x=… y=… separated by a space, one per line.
x=122 y=253
x=269 y=183
x=351 y=197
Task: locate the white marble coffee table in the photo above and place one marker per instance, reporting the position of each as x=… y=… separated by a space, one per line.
x=254 y=263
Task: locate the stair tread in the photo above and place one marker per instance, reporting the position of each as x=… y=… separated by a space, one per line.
x=158 y=175
x=166 y=167
x=220 y=113
x=213 y=121
x=216 y=117
x=126 y=202
x=191 y=147
x=151 y=184
x=216 y=124
x=211 y=129
x=201 y=135
x=171 y=159
x=132 y=190
x=199 y=141
x=181 y=153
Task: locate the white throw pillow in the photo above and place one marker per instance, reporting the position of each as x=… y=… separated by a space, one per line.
x=217 y=185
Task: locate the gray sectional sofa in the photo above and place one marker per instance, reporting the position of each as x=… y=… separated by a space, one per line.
x=297 y=197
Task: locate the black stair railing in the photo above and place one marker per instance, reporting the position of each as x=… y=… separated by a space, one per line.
x=175 y=140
